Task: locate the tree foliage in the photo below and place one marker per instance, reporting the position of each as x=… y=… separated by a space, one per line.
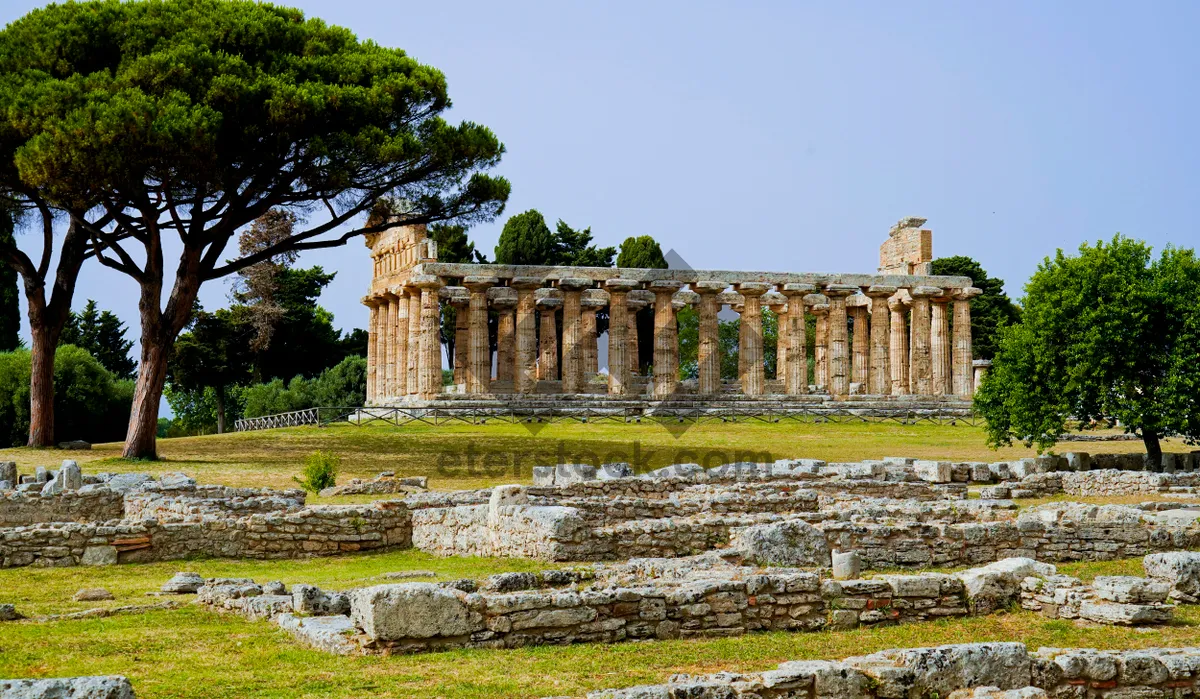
x=642 y=252
x=527 y=240
x=990 y=311
x=10 y=308
x=453 y=245
x=214 y=354
x=102 y=334
x=574 y=248
x=1110 y=334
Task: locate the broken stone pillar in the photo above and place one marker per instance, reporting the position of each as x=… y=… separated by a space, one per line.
x=618 y=335
x=860 y=346
x=818 y=305
x=777 y=302
x=708 y=350
x=962 y=365
x=459 y=299
x=880 y=383
x=593 y=301
x=921 y=364
x=796 y=373
x=981 y=367
x=414 y=340
x=572 y=335
x=666 y=338
x=503 y=300
x=430 y=365
x=839 y=359
x=526 y=377
x=479 y=356
x=548 y=302
x=898 y=346
x=750 y=342
x=939 y=346
x=401 y=332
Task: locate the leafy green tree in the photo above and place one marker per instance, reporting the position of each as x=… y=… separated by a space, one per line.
x=990 y=311
x=574 y=248
x=453 y=245
x=1108 y=335
x=526 y=240
x=10 y=309
x=642 y=252
x=302 y=322
x=213 y=354
x=102 y=334
x=189 y=119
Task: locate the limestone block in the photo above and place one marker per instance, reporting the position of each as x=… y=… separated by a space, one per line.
x=995 y=492
x=1078 y=461
x=1001 y=471
x=846 y=566
x=1179 y=569
x=934 y=471
x=1104 y=612
x=97 y=594
x=183 y=584
x=71 y=476
x=171 y=481
x=944 y=669
x=124 y=482
x=509 y=495
x=510 y=582
x=110 y=687
x=310 y=599
x=788 y=543
x=565 y=474
x=99 y=556
x=275 y=588
x=543 y=475
x=676 y=471
x=997 y=693
x=1130 y=589
x=998 y=585
x=981 y=472
x=9 y=613
x=41 y=475
x=325 y=633
x=8 y=472
x=409 y=610
x=608 y=472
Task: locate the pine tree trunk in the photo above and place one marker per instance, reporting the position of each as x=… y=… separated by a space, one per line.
x=1153 y=450
x=220 y=393
x=141 y=438
x=41 y=387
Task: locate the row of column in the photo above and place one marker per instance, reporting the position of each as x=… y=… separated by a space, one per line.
x=901 y=341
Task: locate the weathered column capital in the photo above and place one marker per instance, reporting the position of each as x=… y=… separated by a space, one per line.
x=897 y=304
x=639 y=298
x=926 y=292
x=664 y=286
x=730 y=298
x=457 y=296
x=574 y=283
x=878 y=292
x=798 y=289
x=621 y=285
x=426 y=281
x=965 y=294
x=684 y=297
x=526 y=282
x=502 y=297
x=815 y=301
x=547 y=298
x=479 y=283
x=594 y=298
x=774 y=299
x=752 y=288
x=839 y=290
x=709 y=286
x=370 y=301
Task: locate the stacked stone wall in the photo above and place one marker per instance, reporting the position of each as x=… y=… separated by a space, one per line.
x=194 y=501
x=89 y=504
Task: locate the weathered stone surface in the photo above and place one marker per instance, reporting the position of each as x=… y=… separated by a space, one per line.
x=99 y=556
x=566 y=474
x=613 y=471
x=543 y=475
x=8 y=473
x=409 y=610
x=8 y=612
x=1180 y=569
x=183 y=584
x=1103 y=612
x=93 y=595
x=790 y=543
x=330 y=634
x=846 y=565
x=933 y=471
x=112 y=687
x=998 y=585
x=310 y=599
x=1129 y=589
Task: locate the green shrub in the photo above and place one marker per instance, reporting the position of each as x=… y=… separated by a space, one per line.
x=343 y=385
x=320 y=471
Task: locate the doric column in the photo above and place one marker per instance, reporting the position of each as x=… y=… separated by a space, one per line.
x=402 y=311
x=796 y=372
x=548 y=302
x=963 y=364
x=414 y=339
x=939 y=345
x=898 y=357
x=429 y=363
x=479 y=356
x=879 y=382
x=981 y=367
x=388 y=313
x=458 y=298
x=708 y=350
x=618 y=335
x=922 y=357
x=593 y=301
x=777 y=302
x=526 y=376
x=572 y=335
x=750 y=336
x=860 y=344
x=839 y=355
x=666 y=338
x=818 y=305
x=636 y=300
x=372 y=352
x=504 y=300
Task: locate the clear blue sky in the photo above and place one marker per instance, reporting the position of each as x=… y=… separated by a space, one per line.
x=789 y=136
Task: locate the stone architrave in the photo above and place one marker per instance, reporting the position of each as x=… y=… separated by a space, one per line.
x=666 y=338
x=526 y=377
x=796 y=373
x=939 y=346
x=963 y=368
x=414 y=340
x=572 y=334
x=504 y=300
x=750 y=342
x=818 y=306
x=921 y=364
x=430 y=364
x=479 y=357
x=372 y=352
x=709 y=347
x=898 y=356
x=593 y=301
x=839 y=364
x=860 y=344
x=618 y=335
x=777 y=303
x=401 y=332
x=879 y=382
x=548 y=302
x=459 y=299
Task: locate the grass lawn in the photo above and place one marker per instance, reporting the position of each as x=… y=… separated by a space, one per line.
x=194 y=653
x=474 y=456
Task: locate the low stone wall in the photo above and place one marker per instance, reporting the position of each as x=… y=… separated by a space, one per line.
x=548 y=533
x=200 y=500
x=973 y=670
x=88 y=504
x=313 y=531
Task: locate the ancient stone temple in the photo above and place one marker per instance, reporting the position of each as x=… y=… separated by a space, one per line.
x=898 y=337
